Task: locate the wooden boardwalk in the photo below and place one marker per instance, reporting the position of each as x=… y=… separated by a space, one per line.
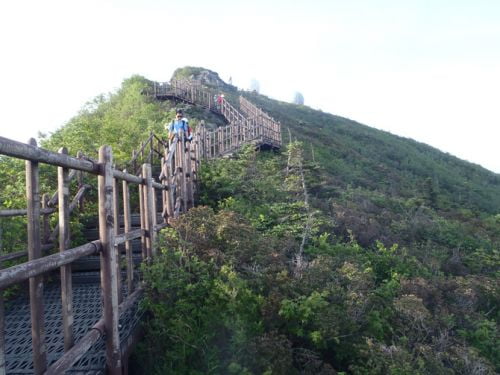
x=86 y=322
x=249 y=123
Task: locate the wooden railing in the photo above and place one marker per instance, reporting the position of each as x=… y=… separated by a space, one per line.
x=150 y=151
x=48 y=207
x=270 y=128
x=249 y=121
x=178 y=182
x=106 y=246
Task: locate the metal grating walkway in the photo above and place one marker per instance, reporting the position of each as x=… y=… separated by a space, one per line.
x=87 y=309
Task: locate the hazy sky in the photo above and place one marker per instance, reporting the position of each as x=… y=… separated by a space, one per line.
x=428 y=70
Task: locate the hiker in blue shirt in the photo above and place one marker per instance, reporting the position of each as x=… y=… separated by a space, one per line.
x=180 y=123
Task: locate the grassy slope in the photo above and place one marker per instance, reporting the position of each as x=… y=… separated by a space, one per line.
x=357 y=155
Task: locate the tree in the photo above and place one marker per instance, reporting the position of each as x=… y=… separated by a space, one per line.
x=254 y=85
x=298 y=98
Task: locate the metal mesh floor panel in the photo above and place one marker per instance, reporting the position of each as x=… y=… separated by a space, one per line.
x=87 y=310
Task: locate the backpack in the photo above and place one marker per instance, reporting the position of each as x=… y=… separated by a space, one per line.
x=186 y=127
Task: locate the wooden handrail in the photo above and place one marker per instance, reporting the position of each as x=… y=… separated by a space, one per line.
x=36 y=267
x=254 y=121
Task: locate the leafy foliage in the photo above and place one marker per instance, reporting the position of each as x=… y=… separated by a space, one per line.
x=377 y=307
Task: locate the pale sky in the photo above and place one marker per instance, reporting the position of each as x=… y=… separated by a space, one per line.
x=428 y=70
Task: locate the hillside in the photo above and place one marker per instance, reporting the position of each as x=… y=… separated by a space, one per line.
x=351 y=250
x=358 y=155
x=389 y=267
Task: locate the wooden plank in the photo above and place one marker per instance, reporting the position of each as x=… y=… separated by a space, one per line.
x=35 y=252
x=64 y=238
x=32 y=152
x=127 y=231
x=109 y=275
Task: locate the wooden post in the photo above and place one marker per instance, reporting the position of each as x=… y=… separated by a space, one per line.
x=218 y=142
x=231 y=135
x=149 y=210
x=203 y=141
x=79 y=155
x=35 y=252
x=214 y=140
x=169 y=171
x=150 y=155
x=210 y=144
x=188 y=173
x=182 y=166
x=45 y=222
x=195 y=157
x=179 y=186
x=127 y=227
x=224 y=138
x=2 y=318
x=134 y=162
x=142 y=215
x=116 y=225
x=164 y=192
x=109 y=281
x=155 y=209
x=64 y=244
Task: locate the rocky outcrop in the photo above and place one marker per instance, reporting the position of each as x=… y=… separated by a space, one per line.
x=204 y=76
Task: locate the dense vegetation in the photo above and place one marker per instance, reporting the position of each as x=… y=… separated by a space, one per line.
x=228 y=296
x=387 y=264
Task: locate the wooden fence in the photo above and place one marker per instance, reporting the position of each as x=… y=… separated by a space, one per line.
x=177 y=192
x=247 y=124
x=178 y=183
